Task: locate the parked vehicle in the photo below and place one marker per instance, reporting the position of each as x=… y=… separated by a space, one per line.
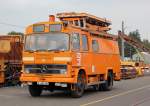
x=128 y=72
x=72 y=55
x=146 y=71
x=10 y=59
x=139 y=67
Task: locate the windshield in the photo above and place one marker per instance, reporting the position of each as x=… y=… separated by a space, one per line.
x=50 y=42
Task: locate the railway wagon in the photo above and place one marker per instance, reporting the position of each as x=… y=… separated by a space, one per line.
x=10 y=59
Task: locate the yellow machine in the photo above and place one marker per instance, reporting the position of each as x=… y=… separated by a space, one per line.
x=139 y=67
x=128 y=69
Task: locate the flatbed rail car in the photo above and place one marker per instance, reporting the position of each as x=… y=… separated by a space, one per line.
x=10 y=59
x=73 y=54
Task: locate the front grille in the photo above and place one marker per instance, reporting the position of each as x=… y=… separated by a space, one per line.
x=46 y=68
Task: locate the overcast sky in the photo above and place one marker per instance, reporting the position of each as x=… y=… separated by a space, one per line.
x=135 y=13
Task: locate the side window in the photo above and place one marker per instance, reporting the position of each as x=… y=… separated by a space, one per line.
x=75 y=41
x=76 y=23
x=95 y=46
x=84 y=43
x=81 y=23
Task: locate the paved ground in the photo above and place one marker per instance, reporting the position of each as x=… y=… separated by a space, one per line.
x=132 y=92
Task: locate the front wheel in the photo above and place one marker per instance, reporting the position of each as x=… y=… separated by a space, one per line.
x=34 y=90
x=79 y=86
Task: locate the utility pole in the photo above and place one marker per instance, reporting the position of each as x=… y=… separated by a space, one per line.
x=122 y=42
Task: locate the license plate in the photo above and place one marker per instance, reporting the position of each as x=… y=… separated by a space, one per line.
x=42 y=83
x=61 y=84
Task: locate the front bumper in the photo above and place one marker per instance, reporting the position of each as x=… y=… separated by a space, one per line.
x=41 y=78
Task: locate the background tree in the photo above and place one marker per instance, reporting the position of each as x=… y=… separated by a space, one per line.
x=129 y=49
x=15 y=33
x=135 y=35
x=146 y=43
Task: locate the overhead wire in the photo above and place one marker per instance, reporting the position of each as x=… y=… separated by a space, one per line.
x=13 y=25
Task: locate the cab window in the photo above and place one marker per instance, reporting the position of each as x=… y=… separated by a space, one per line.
x=75 y=41
x=84 y=43
x=95 y=46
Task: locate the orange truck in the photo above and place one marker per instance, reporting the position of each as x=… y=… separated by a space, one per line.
x=10 y=59
x=72 y=54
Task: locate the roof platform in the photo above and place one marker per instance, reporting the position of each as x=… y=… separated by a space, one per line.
x=83 y=15
x=88 y=20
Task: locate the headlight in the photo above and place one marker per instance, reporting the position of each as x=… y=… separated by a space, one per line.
x=28 y=58
x=27 y=70
x=68 y=59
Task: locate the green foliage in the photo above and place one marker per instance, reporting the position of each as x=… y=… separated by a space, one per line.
x=135 y=35
x=146 y=43
x=15 y=33
x=129 y=49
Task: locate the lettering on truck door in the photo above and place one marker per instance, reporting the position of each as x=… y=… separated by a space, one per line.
x=78 y=58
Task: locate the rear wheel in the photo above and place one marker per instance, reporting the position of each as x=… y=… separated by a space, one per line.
x=79 y=86
x=108 y=83
x=96 y=87
x=35 y=90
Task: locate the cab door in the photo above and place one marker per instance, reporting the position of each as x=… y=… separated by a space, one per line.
x=95 y=67
x=85 y=54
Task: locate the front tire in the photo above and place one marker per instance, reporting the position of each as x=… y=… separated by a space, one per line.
x=34 y=90
x=79 y=86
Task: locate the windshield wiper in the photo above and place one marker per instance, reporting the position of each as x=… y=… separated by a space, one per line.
x=53 y=50
x=41 y=50
x=30 y=51
x=56 y=50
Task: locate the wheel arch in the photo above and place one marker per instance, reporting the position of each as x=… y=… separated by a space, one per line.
x=84 y=72
x=110 y=70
